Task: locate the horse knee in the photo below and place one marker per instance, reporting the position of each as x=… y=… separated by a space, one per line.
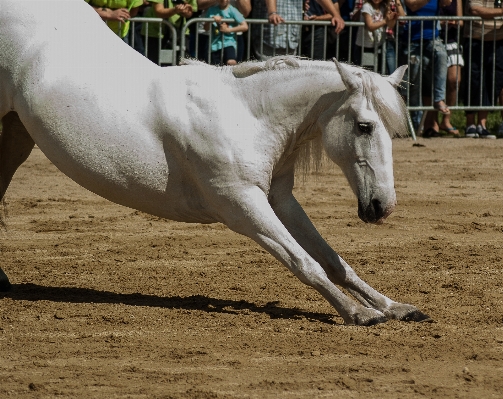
x=15 y=147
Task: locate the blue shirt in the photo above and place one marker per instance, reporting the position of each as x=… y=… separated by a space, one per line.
x=430 y=30
x=229 y=38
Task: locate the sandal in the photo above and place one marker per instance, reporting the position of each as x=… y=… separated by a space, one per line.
x=451 y=131
x=442 y=107
x=430 y=132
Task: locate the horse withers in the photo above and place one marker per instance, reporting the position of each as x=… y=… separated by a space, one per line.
x=198 y=143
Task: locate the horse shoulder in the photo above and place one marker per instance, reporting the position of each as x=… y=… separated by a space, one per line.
x=217 y=132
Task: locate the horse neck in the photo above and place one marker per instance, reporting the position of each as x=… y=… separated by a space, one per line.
x=294 y=100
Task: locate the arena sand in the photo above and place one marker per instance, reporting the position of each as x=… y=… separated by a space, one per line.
x=112 y=303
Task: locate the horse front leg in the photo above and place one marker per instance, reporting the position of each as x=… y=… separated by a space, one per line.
x=15 y=147
x=339 y=272
x=249 y=213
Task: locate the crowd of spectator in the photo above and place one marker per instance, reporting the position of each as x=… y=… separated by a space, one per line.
x=439 y=53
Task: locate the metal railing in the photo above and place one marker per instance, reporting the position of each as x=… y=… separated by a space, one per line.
x=342 y=47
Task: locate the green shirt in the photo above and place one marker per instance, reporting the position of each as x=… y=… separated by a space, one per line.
x=176 y=20
x=120 y=28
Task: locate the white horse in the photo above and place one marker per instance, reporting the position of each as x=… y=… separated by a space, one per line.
x=199 y=143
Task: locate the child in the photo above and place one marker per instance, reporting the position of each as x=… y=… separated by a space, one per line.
x=222 y=34
x=377 y=15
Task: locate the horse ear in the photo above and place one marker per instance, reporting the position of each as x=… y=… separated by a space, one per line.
x=396 y=77
x=349 y=79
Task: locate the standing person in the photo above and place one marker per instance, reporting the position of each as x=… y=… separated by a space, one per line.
x=451 y=34
x=343 y=42
x=244 y=7
x=283 y=39
x=376 y=15
x=481 y=52
x=391 y=37
x=116 y=14
x=175 y=11
x=425 y=40
x=224 y=44
x=500 y=128
x=314 y=49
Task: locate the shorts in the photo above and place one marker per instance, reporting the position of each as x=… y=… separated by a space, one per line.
x=229 y=53
x=454 y=54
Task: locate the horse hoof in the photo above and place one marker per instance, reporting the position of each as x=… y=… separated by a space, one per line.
x=375 y=320
x=405 y=312
x=418 y=317
x=368 y=319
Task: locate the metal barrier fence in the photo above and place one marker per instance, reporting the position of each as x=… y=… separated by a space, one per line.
x=399 y=51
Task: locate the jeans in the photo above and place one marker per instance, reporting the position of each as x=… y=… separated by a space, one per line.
x=317 y=46
x=427 y=76
x=390 y=56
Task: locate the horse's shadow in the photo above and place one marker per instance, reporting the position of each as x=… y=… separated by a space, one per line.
x=35 y=292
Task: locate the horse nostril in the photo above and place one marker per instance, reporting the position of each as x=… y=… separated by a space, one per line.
x=378 y=211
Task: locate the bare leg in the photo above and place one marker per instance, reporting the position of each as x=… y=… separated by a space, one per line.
x=482 y=118
x=250 y=214
x=453 y=82
x=15 y=147
x=431 y=116
x=470 y=119
x=339 y=272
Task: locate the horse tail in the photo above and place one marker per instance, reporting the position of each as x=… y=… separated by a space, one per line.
x=15 y=147
x=3 y=215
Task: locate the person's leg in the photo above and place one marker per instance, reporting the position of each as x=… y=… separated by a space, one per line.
x=453 y=83
x=390 y=56
x=439 y=54
x=492 y=83
x=413 y=90
x=216 y=57
x=500 y=129
x=471 y=87
x=241 y=47
x=319 y=43
x=482 y=118
x=306 y=43
x=498 y=80
x=230 y=55
x=431 y=128
x=488 y=88
x=357 y=55
x=152 y=49
x=341 y=46
x=138 y=38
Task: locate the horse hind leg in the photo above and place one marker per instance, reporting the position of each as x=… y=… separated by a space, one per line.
x=15 y=147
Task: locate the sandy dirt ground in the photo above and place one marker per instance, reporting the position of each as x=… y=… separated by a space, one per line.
x=108 y=302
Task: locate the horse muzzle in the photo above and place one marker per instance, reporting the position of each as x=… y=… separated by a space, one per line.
x=375 y=211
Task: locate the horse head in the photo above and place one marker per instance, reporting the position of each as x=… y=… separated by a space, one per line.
x=357 y=133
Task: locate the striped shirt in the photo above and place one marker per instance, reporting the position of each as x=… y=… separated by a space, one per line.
x=475 y=27
x=280 y=36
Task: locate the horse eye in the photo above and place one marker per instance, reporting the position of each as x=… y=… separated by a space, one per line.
x=366 y=127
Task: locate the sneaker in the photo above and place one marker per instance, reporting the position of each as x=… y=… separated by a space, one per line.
x=484 y=133
x=471 y=131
